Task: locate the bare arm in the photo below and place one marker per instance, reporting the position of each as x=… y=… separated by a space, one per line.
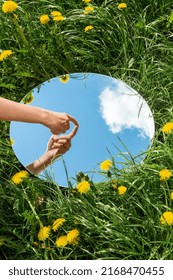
x=14 y=111
x=57 y=146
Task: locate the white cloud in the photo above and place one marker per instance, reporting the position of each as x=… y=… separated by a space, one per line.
x=123 y=108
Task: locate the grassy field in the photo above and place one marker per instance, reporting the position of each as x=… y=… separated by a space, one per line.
x=134 y=44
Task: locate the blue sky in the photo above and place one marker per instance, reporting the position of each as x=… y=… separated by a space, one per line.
x=104 y=107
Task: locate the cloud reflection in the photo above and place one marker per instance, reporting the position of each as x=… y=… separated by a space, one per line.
x=121 y=107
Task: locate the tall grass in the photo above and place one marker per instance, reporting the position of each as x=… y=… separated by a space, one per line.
x=134 y=45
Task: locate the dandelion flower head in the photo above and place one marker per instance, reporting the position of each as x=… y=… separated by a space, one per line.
x=167 y=218
x=171 y=195
x=88 y=9
x=35 y=244
x=9 y=6
x=59 y=18
x=75 y=241
x=106 y=164
x=19 y=177
x=44 y=19
x=87 y=1
x=4 y=54
x=11 y=141
x=64 y=79
x=72 y=235
x=165 y=174
x=83 y=187
x=44 y=233
x=56 y=14
x=62 y=241
x=88 y=28
x=57 y=224
x=122 y=190
x=2 y=241
x=122 y=6
x=114 y=184
x=168 y=127
x=28 y=99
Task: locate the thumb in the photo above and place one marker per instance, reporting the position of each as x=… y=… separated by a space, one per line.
x=73 y=132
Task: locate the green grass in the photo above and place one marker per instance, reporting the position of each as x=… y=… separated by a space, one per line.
x=134 y=45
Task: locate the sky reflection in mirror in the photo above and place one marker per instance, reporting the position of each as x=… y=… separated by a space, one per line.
x=113 y=117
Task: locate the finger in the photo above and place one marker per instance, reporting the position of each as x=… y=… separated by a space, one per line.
x=55 y=131
x=50 y=143
x=60 y=151
x=57 y=146
x=68 y=125
x=55 y=138
x=73 y=132
x=66 y=143
x=72 y=119
x=62 y=141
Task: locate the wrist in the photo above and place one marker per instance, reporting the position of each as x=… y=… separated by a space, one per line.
x=44 y=116
x=45 y=160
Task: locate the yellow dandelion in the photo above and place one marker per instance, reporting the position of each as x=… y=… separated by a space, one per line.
x=75 y=241
x=57 y=224
x=59 y=18
x=28 y=99
x=167 y=218
x=168 y=127
x=88 y=9
x=35 y=244
x=171 y=195
x=83 y=187
x=56 y=14
x=11 y=141
x=44 y=233
x=62 y=241
x=106 y=164
x=19 y=177
x=114 y=181
x=88 y=28
x=165 y=174
x=9 y=6
x=44 y=19
x=5 y=54
x=122 y=190
x=87 y=1
x=2 y=241
x=114 y=184
x=24 y=174
x=64 y=79
x=72 y=235
x=122 y=6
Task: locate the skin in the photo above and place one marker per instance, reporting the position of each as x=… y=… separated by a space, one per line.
x=55 y=121
x=57 y=146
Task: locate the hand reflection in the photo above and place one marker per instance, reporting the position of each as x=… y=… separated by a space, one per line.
x=56 y=147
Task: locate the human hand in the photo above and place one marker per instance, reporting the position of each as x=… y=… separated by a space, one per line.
x=59 y=145
x=58 y=122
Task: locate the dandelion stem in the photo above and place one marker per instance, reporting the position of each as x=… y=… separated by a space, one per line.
x=20 y=31
x=166 y=201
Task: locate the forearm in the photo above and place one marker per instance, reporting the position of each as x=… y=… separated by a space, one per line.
x=39 y=165
x=13 y=111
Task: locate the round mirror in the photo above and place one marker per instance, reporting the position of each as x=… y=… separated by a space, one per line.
x=115 y=123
